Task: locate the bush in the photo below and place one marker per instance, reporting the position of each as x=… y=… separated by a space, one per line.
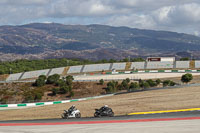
x=158 y=81
x=53 y=79
x=43 y=77
x=71 y=94
x=151 y=83
x=125 y=85
x=172 y=83
x=55 y=91
x=186 y=78
x=101 y=82
x=39 y=82
x=112 y=86
x=38 y=96
x=166 y=83
x=64 y=89
x=60 y=82
x=128 y=80
x=134 y=86
x=146 y=85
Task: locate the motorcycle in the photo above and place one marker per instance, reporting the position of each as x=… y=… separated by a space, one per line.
x=73 y=114
x=107 y=112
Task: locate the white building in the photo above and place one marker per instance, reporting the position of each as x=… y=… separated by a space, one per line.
x=161 y=59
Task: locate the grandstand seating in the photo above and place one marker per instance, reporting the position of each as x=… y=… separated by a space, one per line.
x=137 y=65
x=14 y=76
x=197 y=64
x=119 y=66
x=74 y=69
x=57 y=71
x=182 y=64
x=96 y=67
x=34 y=74
x=159 y=65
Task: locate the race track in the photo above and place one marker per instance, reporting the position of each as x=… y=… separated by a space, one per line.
x=179 y=122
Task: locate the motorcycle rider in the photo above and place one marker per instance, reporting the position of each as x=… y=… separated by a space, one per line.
x=71 y=109
x=104 y=108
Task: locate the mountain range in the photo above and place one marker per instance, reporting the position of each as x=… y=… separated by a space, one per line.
x=93 y=42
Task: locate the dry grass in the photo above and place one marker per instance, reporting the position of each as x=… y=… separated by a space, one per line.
x=179 y=98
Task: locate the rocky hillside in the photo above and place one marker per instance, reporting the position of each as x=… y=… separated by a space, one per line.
x=39 y=40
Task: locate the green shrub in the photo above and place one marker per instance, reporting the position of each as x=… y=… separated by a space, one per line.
x=43 y=77
x=53 y=79
x=38 y=96
x=166 y=82
x=172 y=83
x=158 y=81
x=151 y=83
x=39 y=82
x=146 y=85
x=101 y=82
x=55 y=91
x=186 y=78
x=134 y=86
x=71 y=94
x=64 y=89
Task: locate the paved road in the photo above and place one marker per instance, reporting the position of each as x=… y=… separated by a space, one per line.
x=160 y=126
x=131 y=117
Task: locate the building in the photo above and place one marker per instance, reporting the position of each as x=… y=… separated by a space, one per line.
x=161 y=59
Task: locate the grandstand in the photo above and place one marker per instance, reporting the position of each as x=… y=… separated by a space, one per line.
x=160 y=65
x=35 y=74
x=137 y=65
x=56 y=71
x=182 y=64
x=96 y=67
x=75 y=69
x=197 y=64
x=119 y=66
x=142 y=66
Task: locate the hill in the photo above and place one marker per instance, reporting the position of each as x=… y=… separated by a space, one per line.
x=94 y=42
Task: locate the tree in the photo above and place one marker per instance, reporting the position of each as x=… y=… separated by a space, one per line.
x=158 y=81
x=166 y=83
x=39 y=82
x=185 y=59
x=55 y=91
x=53 y=79
x=186 y=78
x=112 y=86
x=125 y=84
x=146 y=85
x=101 y=82
x=151 y=83
x=137 y=59
x=134 y=86
x=42 y=77
x=128 y=80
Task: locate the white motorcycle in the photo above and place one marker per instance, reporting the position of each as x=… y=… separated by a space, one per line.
x=74 y=114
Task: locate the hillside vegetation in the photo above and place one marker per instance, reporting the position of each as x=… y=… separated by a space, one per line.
x=30 y=65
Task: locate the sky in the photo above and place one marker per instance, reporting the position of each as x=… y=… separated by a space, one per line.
x=181 y=16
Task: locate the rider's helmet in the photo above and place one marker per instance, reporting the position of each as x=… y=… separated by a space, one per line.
x=106 y=106
x=73 y=106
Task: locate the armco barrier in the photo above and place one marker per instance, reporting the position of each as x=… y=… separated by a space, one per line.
x=50 y=103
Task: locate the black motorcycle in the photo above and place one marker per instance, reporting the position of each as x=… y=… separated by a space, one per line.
x=100 y=112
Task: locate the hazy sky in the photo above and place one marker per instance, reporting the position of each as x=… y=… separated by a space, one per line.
x=171 y=15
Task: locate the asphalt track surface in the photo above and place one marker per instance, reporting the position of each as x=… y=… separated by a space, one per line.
x=188 y=114
x=178 y=122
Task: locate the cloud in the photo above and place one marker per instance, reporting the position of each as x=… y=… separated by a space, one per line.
x=175 y=15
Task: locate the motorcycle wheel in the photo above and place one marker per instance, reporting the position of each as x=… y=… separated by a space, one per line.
x=111 y=114
x=64 y=116
x=96 y=115
x=78 y=115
